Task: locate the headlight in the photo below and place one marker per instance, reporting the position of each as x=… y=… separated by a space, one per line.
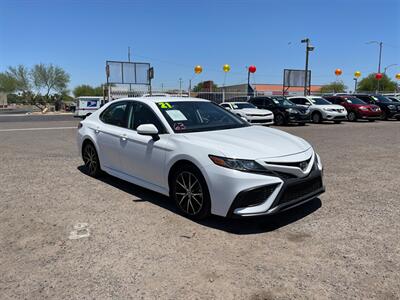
x=363 y=108
x=237 y=164
x=292 y=111
x=328 y=109
x=391 y=106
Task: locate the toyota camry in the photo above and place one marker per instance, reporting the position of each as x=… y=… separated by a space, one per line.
x=207 y=159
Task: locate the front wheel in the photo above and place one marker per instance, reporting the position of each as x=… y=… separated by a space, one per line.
x=190 y=192
x=91 y=160
x=279 y=120
x=384 y=116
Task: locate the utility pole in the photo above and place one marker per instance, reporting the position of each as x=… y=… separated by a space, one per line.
x=306 y=79
x=380 y=56
x=180 y=87
x=129 y=60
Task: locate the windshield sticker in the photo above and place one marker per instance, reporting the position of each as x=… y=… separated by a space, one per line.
x=176 y=115
x=164 y=105
x=179 y=126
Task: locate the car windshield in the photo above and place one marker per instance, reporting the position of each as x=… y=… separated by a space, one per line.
x=196 y=116
x=242 y=105
x=382 y=99
x=282 y=101
x=354 y=100
x=320 y=101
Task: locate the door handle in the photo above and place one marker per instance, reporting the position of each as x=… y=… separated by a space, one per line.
x=97 y=130
x=123 y=137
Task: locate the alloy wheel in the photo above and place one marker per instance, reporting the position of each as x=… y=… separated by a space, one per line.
x=189 y=193
x=90 y=159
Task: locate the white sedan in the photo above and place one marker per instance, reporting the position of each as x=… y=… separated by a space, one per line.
x=250 y=112
x=207 y=159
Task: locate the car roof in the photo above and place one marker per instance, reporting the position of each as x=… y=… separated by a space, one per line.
x=156 y=99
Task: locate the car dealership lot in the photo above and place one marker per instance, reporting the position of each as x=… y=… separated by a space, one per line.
x=66 y=235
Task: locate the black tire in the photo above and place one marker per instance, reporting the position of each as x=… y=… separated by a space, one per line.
x=337 y=122
x=190 y=192
x=316 y=118
x=302 y=124
x=398 y=118
x=352 y=117
x=91 y=160
x=371 y=120
x=384 y=116
x=280 y=120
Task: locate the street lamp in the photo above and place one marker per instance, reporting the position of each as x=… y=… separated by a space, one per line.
x=309 y=48
x=387 y=67
x=355 y=84
x=380 y=56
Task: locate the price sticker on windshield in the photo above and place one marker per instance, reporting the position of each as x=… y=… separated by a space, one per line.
x=164 y=105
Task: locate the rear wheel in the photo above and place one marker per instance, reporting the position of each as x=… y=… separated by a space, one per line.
x=279 y=120
x=190 y=192
x=91 y=160
x=352 y=116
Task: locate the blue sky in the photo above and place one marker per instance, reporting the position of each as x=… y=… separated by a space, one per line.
x=174 y=36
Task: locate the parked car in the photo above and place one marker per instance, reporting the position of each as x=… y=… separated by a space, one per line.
x=284 y=110
x=389 y=108
x=356 y=108
x=321 y=109
x=250 y=112
x=208 y=160
x=394 y=99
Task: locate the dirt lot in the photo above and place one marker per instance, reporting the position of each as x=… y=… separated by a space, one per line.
x=345 y=245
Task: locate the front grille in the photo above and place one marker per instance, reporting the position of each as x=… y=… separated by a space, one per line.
x=300 y=190
x=300 y=164
x=259 y=115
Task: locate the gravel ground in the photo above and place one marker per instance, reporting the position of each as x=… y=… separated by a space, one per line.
x=64 y=235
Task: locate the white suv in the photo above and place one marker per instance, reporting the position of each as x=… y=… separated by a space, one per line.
x=250 y=112
x=321 y=109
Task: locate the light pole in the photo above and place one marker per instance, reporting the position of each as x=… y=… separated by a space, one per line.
x=355 y=84
x=180 y=86
x=380 y=56
x=308 y=49
x=387 y=67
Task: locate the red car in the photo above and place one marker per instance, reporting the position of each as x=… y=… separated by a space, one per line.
x=356 y=108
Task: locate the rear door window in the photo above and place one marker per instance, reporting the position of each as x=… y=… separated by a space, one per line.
x=115 y=114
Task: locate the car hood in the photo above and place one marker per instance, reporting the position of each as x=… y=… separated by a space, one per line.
x=253 y=142
x=254 y=111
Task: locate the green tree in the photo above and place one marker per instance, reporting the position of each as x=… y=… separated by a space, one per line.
x=42 y=85
x=334 y=87
x=87 y=90
x=50 y=79
x=201 y=86
x=370 y=84
x=7 y=83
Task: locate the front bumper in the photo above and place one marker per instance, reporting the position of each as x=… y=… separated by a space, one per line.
x=235 y=193
x=263 y=120
x=290 y=193
x=335 y=116
x=298 y=118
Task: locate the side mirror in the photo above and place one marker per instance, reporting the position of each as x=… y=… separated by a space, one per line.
x=148 y=129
